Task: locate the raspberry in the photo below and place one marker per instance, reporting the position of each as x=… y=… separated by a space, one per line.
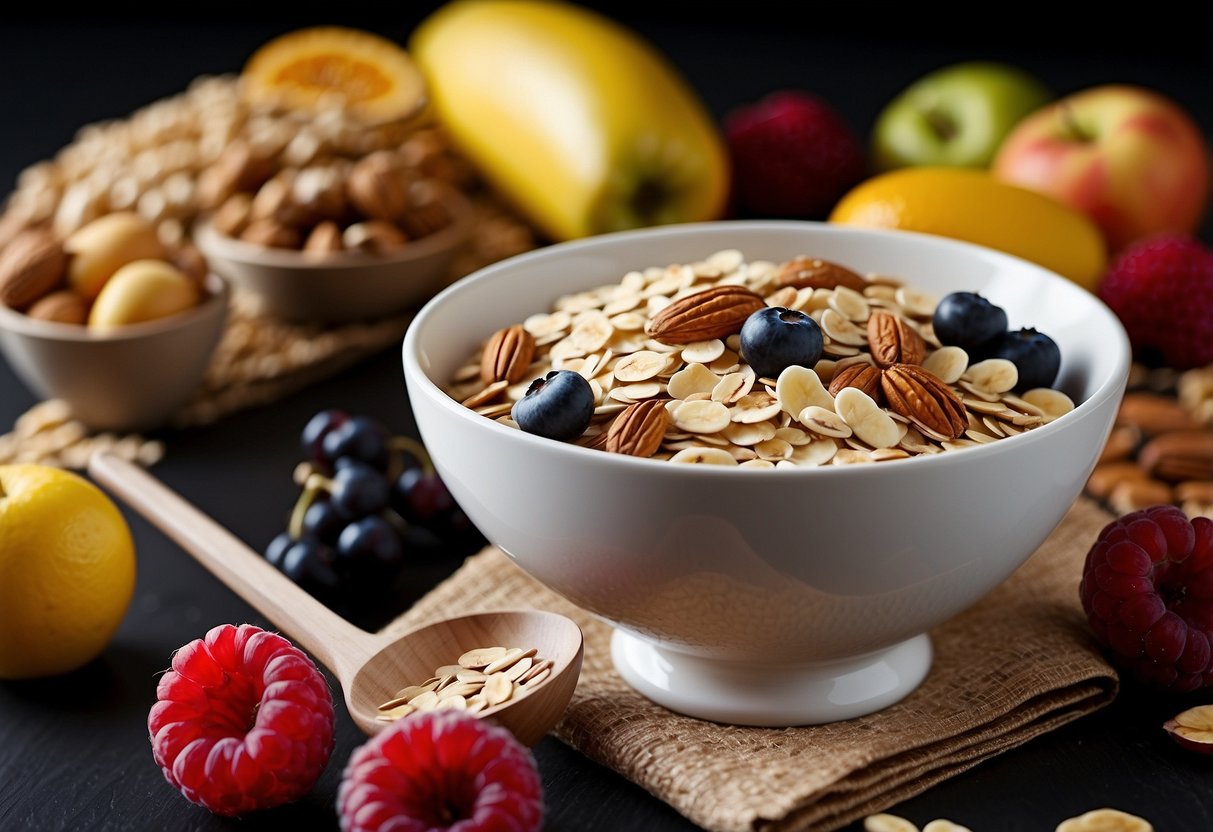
x=243 y=721
x=792 y=154
x=1147 y=589
x=1161 y=288
x=438 y=770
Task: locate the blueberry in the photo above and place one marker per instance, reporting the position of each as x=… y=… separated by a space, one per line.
x=558 y=406
x=969 y=321
x=359 y=437
x=1034 y=354
x=774 y=338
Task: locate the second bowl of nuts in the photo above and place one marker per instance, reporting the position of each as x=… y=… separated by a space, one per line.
x=109 y=320
x=336 y=243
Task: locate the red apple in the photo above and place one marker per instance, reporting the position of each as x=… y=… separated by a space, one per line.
x=1130 y=159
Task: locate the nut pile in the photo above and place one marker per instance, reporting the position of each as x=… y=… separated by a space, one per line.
x=186 y=155
x=484 y=677
x=1161 y=447
x=661 y=353
x=1098 y=820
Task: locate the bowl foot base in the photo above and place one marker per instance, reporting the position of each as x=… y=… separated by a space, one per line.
x=771 y=695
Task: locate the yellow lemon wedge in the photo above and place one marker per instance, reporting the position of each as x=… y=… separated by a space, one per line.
x=372 y=78
x=972 y=205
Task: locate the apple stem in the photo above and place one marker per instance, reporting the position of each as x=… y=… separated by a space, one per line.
x=1072 y=126
x=943 y=124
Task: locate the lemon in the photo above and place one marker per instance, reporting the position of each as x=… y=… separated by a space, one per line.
x=971 y=205
x=67 y=571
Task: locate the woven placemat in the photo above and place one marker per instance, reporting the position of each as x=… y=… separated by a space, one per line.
x=1019 y=663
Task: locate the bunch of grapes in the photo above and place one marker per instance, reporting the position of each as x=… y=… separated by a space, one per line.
x=369 y=501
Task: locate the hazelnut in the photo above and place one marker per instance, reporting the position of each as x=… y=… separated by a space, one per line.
x=270 y=233
x=325 y=238
x=374 y=237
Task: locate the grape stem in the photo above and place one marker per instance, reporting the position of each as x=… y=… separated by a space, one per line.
x=415 y=449
x=315 y=485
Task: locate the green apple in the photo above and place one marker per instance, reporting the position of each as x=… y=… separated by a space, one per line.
x=956 y=116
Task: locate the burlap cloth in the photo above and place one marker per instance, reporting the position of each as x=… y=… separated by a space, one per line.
x=1017 y=664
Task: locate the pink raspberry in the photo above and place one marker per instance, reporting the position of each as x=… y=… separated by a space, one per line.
x=1161 y=288
x=243 y=721
x=1147 y=589
x=441 y=770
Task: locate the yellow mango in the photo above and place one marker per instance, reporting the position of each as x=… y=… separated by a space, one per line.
x=570 y=116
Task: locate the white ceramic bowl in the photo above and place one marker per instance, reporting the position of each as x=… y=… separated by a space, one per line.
x=767 y=597
x=344 y=286
x=132 y=378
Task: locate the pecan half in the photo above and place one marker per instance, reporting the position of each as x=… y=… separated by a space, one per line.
x=893 y=341
x=712 y=313
x=1178 y=456
x=507 y=355
x=815 y=273
x=638 y=429
x=930 y=404
x=862 y=376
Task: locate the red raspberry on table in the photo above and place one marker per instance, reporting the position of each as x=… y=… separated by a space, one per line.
x=792 y=155
x=440 y=770
x=1161 y=288
x=243 y=721
x=1147 y=589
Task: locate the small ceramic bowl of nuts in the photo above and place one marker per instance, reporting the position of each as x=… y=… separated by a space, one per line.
x=109 y=320
x=342 y=241
x=770 y=465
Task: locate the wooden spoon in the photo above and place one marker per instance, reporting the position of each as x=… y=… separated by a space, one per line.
x=370 y=668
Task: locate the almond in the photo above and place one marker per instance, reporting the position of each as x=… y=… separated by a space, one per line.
x=713 y=313
x=815 y=273
x=862 y=376
x=1178 y=456
x=1108 y=475
x=637 y=431
x=507 y=355
x=30 y=266
x=919 y=395
x=893 y=341
x=64 y=307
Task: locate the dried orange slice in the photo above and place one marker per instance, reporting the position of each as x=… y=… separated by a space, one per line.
x=372 y=78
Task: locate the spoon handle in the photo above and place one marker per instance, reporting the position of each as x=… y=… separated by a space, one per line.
x=333 y=641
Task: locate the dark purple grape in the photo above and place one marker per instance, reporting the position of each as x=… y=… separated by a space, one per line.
x=358 y=490
x=371 y=540
x=422 y=498
x=361 y=438
x=323 y=521
x=310 y=564
x=277 y=548
x=315 y=431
